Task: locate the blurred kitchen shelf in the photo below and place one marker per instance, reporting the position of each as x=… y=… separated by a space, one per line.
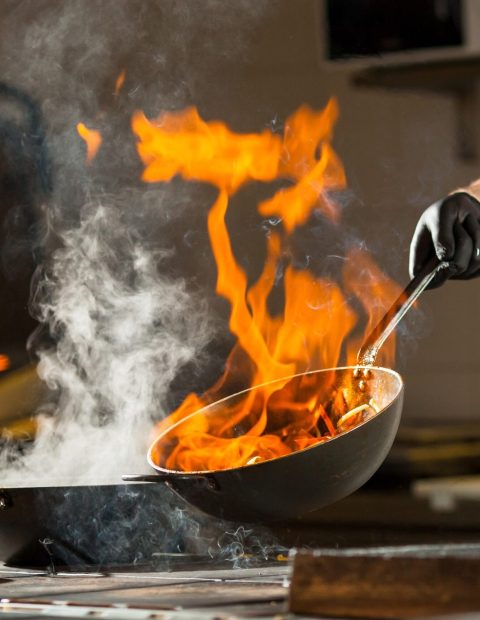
x=438 y=431
x=444 y=76
x=456 y=77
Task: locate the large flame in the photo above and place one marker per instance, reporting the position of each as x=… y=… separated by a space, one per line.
x=316 y=321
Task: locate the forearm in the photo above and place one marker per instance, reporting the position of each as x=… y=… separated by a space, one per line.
x=473 y=190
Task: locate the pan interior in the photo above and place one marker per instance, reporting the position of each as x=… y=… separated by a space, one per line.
x=230 y=432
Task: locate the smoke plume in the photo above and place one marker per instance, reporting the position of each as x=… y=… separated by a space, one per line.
x=120 y=332
x=122 y=316
x=119 y=294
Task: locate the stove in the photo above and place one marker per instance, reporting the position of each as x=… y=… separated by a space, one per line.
x=389 y=532
x=215 y=593
x=379 y=582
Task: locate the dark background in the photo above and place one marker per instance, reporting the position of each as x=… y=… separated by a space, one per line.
x=250 y=64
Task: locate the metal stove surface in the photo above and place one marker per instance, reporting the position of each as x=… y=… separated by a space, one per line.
x=308 y=582
x=212 y=593
x=250 y=585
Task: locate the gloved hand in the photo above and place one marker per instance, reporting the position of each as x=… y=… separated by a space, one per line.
x=449 y=229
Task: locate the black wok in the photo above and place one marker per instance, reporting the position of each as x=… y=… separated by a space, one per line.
x=306 y=480
x=81 y=526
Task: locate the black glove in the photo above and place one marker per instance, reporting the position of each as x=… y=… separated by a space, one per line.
x=449 y=229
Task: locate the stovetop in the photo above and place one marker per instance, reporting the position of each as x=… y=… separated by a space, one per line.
x=375 y=582
x=209 y=594
x=441 y=516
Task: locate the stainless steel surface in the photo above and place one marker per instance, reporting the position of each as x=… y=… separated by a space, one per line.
x=208 y=594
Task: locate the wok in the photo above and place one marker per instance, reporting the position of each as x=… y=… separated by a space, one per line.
x=81 y=526
x=292 y=485
x=305 y=480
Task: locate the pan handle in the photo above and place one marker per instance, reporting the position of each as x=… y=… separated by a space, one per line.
x=393 y=316
x=167 y=478
x=144 y=478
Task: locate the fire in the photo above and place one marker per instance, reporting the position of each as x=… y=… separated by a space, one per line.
x=316 y=326
x=4 y=362
x=93 y=140
x=119 y=82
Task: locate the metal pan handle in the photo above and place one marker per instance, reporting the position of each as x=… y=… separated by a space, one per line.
x=167 y=478
x=145 y=477
x=393 y=316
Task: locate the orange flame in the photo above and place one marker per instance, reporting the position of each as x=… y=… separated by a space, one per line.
x=376 y=292
x=119 y=82
x=93 y=140
x=316 y=320
x=4 y=362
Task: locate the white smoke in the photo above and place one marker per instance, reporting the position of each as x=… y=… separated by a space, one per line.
x=121 y=331
x=68 y=54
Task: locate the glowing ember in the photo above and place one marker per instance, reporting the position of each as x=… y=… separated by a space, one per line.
x=4 y=362
x=316 y=321
x=119 y=82
x=93 y=140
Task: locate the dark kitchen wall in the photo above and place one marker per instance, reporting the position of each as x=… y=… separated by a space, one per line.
x=251 y=64
x=400 y=154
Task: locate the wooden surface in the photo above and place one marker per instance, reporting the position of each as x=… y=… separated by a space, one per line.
x=384 y=586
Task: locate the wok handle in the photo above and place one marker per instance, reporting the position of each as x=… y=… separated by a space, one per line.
x=145 y=478
x=369 y=349
x=167 y=477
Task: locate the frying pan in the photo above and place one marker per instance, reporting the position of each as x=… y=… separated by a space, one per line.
x=308 y=479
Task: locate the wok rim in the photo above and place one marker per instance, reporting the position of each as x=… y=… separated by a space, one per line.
x=206 y=472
